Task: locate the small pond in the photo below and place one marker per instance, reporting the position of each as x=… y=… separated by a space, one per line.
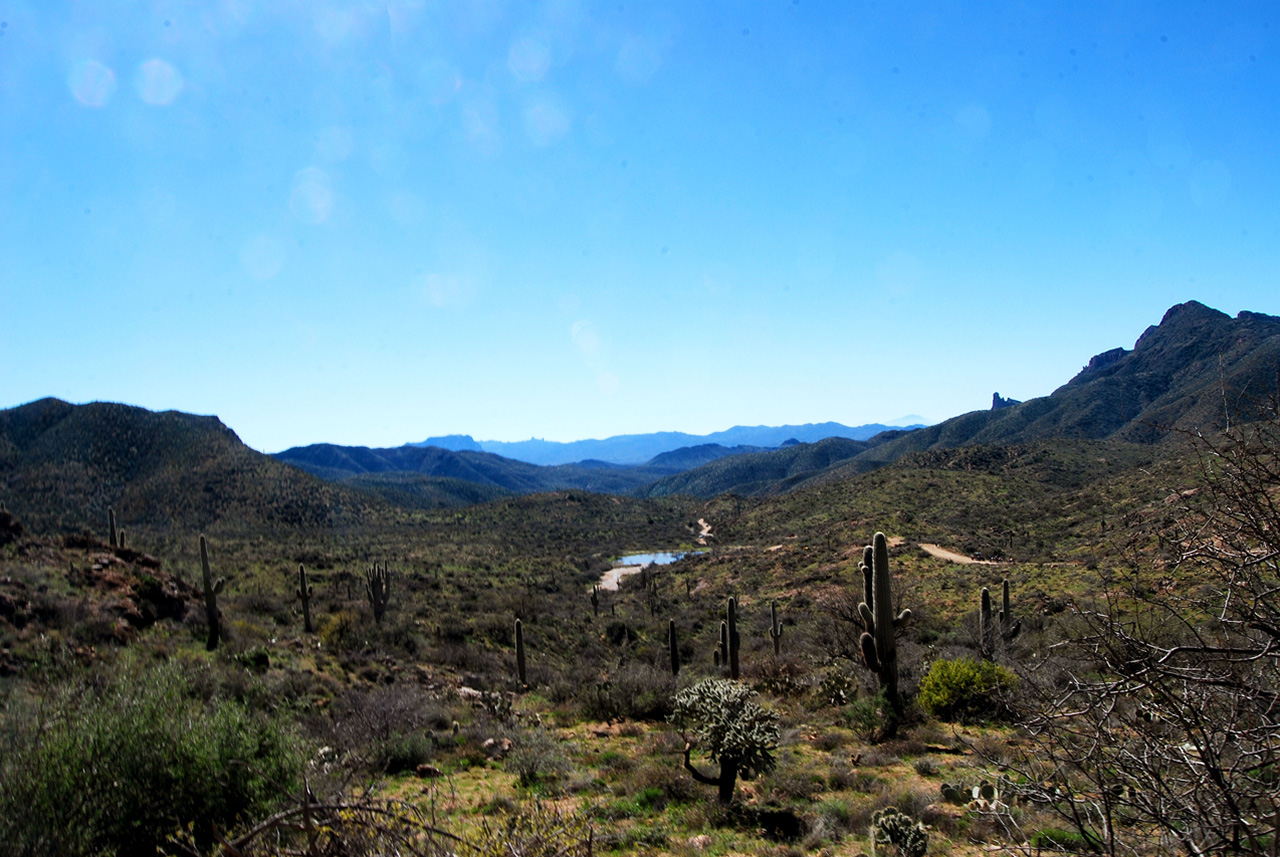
x=632 y=563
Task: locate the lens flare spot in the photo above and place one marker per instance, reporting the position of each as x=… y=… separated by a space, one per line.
x=158 y=83
x=528 y=60
x=447 y=291
x=546 y=120
x=262 y=257
x=91 y=83
x=585 y=337
x=638 y=61
x=333 y=25
x=440 y=81
x=312 y=197
x=334 y=143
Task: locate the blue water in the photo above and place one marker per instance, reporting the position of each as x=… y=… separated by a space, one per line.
x=658 y=558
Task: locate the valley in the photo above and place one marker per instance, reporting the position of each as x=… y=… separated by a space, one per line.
x=1071 y=565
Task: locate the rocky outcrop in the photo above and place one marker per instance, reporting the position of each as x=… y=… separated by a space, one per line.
x=998 y=401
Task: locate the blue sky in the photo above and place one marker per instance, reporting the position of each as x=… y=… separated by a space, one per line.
x=370 y=223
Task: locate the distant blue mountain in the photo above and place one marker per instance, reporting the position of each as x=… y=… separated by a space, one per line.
x=453 y=442
x=641 y=448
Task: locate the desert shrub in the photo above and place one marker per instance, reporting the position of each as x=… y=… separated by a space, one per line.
x=780 y=676
x=1055 y=839
x=536 y=830
x=666 y=781
x=536 y=756
x=405 y=753
x=120 y=766
x=865 y=715
x=966 y=690
x=635 y=692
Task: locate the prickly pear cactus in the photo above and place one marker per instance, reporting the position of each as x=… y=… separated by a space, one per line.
x=954 y=794
x=896 y=833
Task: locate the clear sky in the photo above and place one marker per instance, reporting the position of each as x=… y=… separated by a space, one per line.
x=373 y=222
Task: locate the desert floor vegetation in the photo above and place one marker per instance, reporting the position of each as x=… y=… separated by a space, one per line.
x=1132 y=711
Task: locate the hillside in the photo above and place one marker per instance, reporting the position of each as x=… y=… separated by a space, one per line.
x=63 y=465
x=343 y=463
x=1186 y=373
x=760 y=472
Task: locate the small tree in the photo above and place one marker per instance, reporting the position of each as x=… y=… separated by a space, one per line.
x=723 y=718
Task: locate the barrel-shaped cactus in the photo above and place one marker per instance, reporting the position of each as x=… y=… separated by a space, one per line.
x=894 y=832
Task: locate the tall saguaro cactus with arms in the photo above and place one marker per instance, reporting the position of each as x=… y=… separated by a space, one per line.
x=879 y=641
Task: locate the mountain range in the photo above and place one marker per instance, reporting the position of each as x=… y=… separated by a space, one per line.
x=63 y=465
x=641 y=448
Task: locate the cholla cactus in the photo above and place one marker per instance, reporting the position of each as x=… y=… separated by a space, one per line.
x=377 y=585
x=896 y=833
x=723 y=719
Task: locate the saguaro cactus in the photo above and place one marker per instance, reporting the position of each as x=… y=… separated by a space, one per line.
x=520 y=672
x=724 y=645
x=878 y=642
x=987 y=630
x=211 y=590
x=595 y=600
x=775 y=630
x=305 y=591
x=111 y=524
x=377 y=585
x=673 y=646
x=733 y=637
x=1008 y=628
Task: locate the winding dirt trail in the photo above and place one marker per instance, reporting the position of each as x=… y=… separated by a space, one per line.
x=952 y=556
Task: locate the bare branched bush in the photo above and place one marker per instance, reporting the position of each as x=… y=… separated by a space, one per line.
x=1161 y=714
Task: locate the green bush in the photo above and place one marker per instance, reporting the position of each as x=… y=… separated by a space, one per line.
x=966 y=690
x=1055 y=839
x=120 y=767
